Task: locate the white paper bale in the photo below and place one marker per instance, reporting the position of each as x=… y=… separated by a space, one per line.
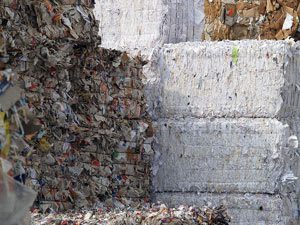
x=202 y=80
x=146 y=24
x=222 y=155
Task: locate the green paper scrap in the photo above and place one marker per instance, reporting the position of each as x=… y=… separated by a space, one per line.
x=115 y=155
x=235 y=55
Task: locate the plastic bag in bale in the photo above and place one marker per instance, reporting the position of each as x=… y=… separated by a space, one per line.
x=15 y=200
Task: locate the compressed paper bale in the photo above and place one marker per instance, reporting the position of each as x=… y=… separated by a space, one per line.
x=224 y=79
x=91 y=122
x=247 y=209
x=222 y=155
x=138 y=24
x=251 y=19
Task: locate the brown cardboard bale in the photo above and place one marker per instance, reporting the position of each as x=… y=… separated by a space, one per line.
x=265 y=19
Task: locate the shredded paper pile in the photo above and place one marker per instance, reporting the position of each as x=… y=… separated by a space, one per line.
x=157 y=214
